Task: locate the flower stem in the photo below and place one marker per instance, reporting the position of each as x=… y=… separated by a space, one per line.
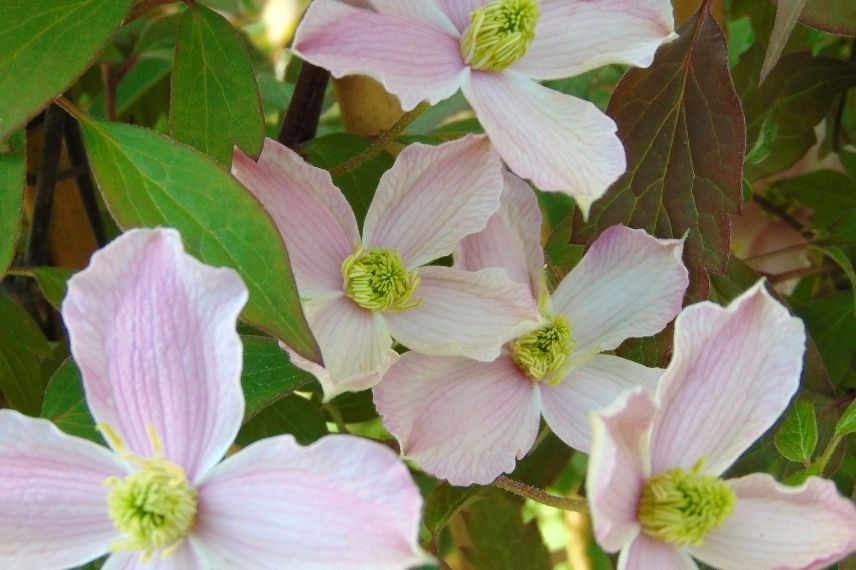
x=304 y=111
x=575 y=504
x=381 y=143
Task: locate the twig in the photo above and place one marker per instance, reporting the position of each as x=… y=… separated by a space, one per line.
x=381 y=143
x=779 y=212
x=778 y=252
x=802 y=272
x=37 y=247
x=304 y=110
x=144 y=6
x=77 y=154
x=576 y=504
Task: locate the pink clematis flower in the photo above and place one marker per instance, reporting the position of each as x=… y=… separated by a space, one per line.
x=153 y=332
x=467 y=421
x=360 y=293
x=654 y=480
x=497 y=51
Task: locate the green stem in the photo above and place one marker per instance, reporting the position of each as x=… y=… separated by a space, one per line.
x=575 y=504
x=338 y=419
x=381 y=143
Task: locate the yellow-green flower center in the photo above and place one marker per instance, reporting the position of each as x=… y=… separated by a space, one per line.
x=499 y=33
x=376 y=279
x=154 y=508
x=541 y=354
x=680 y=507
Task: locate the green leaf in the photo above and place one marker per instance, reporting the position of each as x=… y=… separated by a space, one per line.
x=12 y=180
x=23 y=347
x=682 y=127
x=65 y=406
x=149 y=181
x=46 y=45
x=831 y=324
x=786 y=18
x=52 y=282
x=359 y=184
x=268 y=374
x=293 y=415
x=847 y=422
x=797 y=436
x=836 y=16
x=830 y=194
x=837 y=255
x=444 y=502
x=500 y=539
x=215 y=102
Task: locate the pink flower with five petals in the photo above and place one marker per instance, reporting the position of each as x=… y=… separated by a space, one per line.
x=655 y=474
x=497 y=52
x=153 y=332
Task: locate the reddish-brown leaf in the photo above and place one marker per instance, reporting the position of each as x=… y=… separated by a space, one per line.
x=683 y=130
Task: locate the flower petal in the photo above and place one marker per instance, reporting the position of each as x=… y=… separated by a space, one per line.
x=561 y=143
x=628 y=284
x=618 y=467
x=459 y=11
x=53 y=502
x=787 y=528
x=186 y=557
x=464 y=313
x=311 y=214
x=343 y=503
x=592 y=386
x=413 y=58
x=433 y=197
x=511 y=240
x=732 y=375
x=355 y=346
x=460 y=419
x=574 y=36
x=646 y=553
x=425 y=11
x=153 y=332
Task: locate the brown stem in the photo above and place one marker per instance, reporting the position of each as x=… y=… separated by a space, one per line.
x=80 y=162
x=778 y=252
x=37 y=247
x=576 y=504
x=779 y=212
x=109 y=80
x=304 y=110
x=381 y=143
x=802 y=272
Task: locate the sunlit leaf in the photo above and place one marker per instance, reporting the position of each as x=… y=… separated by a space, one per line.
x=797 y=436
x=847 y=423
x=65 y=406
x=52 y=281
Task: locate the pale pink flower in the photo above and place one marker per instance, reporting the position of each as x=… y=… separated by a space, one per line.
x=654 y=479
x=153 y=332
x=497 y=52
x=467 y=421
x=425 y=204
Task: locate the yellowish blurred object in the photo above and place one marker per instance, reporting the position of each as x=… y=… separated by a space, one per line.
x=280 y=18
x=367 y=109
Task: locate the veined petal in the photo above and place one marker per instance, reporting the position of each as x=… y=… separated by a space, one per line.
x=618 y=466
x=462 y=420
x=186 y=557
x=343 y=503
x=561 y=143
x=433 y=197
x=646 y=553
x=415 y=59
x=574 y=36
x=592 y=386
x=629 y=284
x=355 y=346
x=787 y=528
x=733 y=372
x=53 y=502
x=426 y=11
x=511 y=240
x=459 y=11
x=153 y=332
x=312 y=216
x=464 y=313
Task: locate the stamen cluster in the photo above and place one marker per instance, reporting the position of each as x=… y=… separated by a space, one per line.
x=499 y=34
x=377 y=280
x=542 y=353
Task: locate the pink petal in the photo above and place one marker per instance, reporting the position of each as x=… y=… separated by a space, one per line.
x=355 y=346
x=511 y=239
x=464 y=313
x=433 y=197
x=186 y=557
x=787 y=528
x=592 y=386
x=460 y=419
x=312 y=215
x=153 y=332
x=628 y=284
x=574 y=36
x=343 y=503
x=646 y=553
x=618 y=467
x=733 y=373
x=425 y=11
x=459 y=11
x=413 y=58
x=561 y=143
x=53 y=502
